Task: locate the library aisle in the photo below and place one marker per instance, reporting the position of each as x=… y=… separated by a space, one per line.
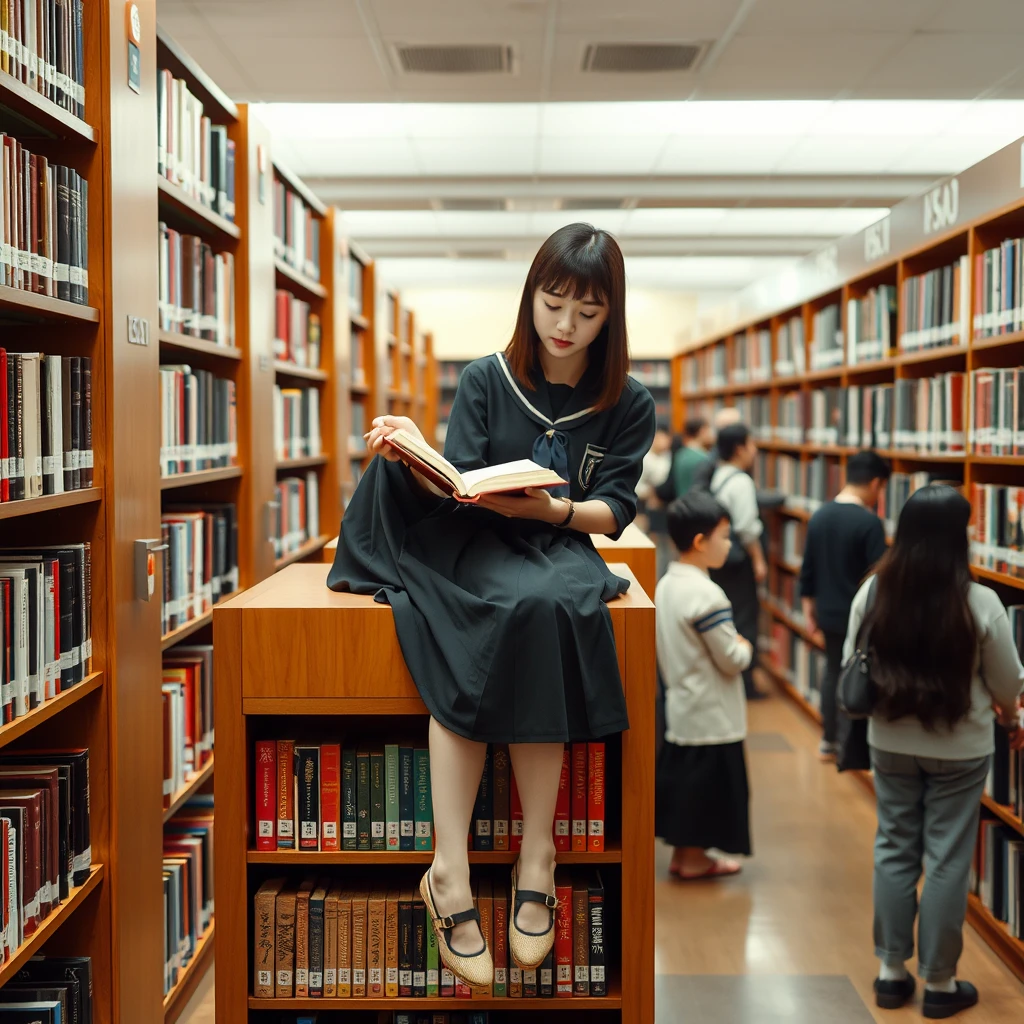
x=789 y=940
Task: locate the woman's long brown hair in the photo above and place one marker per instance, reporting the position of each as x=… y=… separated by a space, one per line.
x=578 y=260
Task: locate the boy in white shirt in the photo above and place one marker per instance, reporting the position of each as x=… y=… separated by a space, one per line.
x=701 y=795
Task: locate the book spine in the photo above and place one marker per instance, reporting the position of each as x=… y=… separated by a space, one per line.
x=560 y=826
x=392 y=821
x=546 y=972
x=377 y=822
x=424 y=807
x=579 y=796
x=285 y=945
x=419 y=948
x=447 y=983
x=595 y=798
x=266 y=816
x=285 y=795
x=375 y=955
x=363 y=798
x=483 y=811
x=349 y=806
x=502 y=796
x=515 y=837
x=359 y=925
x=302 y=942
x=563 y=939
x=330 y=795
x=595 y=900
x=530 y=986
x=391 y=947
x=316 y=947
x=433 y=978
x=500 y=947
x=580 y=941
x=405 y=945
x=345 y=946
x=307 y=774
x=264 y=957
x=406 y=800
x=331 y=945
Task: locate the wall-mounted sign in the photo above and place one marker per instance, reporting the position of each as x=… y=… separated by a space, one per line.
x=138 y=330
x=942 y=206
x=877 y=240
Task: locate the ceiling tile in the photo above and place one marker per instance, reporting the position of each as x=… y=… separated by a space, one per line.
x=319 y=19
x=392 y=223
x=696 y=154
x=682 y=221
x=548 y=222
x=997 y=16
x=411 y=21
x=803 y=18
x=470 y=120
x=355 y=157
x=567 y=154
x=472 y=155
x=335 y=120
x=853 y=154
x=970 y=63
x=646 y=20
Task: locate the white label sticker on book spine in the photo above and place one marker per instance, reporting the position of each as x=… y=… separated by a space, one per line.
x=308 y=830
x=285 y=828
x=61 y=273
x=330 y=830
x=348 y=830
x=265 y=978
x=284 y=979
x=344 y=975
x=377 y=829
x=301 y=976
x=266 y=829
x=330 y=977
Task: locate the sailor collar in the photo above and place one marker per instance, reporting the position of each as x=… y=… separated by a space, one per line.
x=567 y=420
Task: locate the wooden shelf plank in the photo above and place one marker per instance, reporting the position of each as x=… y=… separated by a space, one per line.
x=177 y=999
x=333 y=706
x=998 y=341
x=996 y=934
x=932 y=355
x=175 y=636
x=311 y=547
x=50 y=926
x=996 y=460
x=1004 y=814
x=194 y=784
x=359 y=389
x=286 y=369
x=25 y=305
x=359 y=321
x=49 y=502
x=876 y=365
x=306 y=462
x=282 y=857
x=201 y=476
x=997 y=577
x=26 y=723
x=173 y=197
x=44 y=113
x=298 y=278
x=790 y=623
x=186 y=343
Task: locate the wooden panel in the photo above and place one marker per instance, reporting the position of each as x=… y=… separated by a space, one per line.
x=336 y=326
x=636 y=550
x=177 y=999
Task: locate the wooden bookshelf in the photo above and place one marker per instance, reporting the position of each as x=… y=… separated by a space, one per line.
x=312 y=547
x=613 y=855
x=50 y=503
x=19 y=304
x=258 y=637
x=197 y=346
x=200 y=477
x=202 y=959
x=990 y=210
x=362 y=365
x=283 y=369
x=194 y=784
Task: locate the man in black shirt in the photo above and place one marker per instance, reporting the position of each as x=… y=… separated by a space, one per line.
x=845 y=538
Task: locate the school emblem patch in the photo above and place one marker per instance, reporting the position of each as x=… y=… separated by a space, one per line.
x=591 y=459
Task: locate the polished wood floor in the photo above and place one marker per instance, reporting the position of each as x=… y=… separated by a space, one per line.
x=790 y=938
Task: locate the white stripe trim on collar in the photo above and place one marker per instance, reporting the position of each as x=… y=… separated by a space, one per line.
x=529 y=405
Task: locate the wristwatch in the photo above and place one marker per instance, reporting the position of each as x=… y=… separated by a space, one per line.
x=564 y=524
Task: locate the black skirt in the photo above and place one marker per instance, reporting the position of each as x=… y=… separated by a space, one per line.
x=502 y=623
x=702 y=798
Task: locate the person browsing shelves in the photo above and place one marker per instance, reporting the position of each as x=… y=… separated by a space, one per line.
x=698 y=438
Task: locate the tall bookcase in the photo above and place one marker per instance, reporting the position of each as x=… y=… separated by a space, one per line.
x=364 y=373
x=955 y=223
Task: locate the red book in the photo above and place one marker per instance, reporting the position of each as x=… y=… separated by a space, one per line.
x=595 y=797
x=285 y=794
x=462 y=989
x=560 y=826
x=330 y=795
x=515 y=838
x=563 y=934
x=266 y=795
x=579 y=796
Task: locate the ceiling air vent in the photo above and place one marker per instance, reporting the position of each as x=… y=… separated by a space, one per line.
x=472 y=205
x=456 y=60
x=639 y=58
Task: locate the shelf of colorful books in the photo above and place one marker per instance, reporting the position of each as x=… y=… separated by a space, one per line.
x=177 y=200
x=300 y=280
x=198 y=346
x=305 y=462
x=285 y=369
x=997 y=577
x=996 y=934
x=611 y=855
x=48 y=928
x=29 y=506
x=939 y=354
x=177 y=999
x=311 y=547
x=25 y=305
x=1004 y=814
x=26 y=723
x=793 y=625
x=42 y=112
x=195 y=783
x=201 y=476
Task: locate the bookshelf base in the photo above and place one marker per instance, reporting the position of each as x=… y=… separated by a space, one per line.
x=612 y=1001
x=996 y=935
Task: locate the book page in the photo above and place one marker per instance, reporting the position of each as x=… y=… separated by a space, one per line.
x=472 y=477
x=404 y=441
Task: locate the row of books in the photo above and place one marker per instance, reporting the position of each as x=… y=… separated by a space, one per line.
x=297 y=516
x=197 y=288
x=318 y=939
x=652 y=374
x=926 y=415
x=200 y=560
x=998 y=289
x=997 y=411
x=355 y=287
x=198 y=420
x=998 y=874
x=187 y=691
x=296 y=331
x=296 y=422
x=827 y=339
x=192 y=152
x=43 y=49
x=49 y=990
x=935 y=307
x=45 y=424
x=802 y=664
x=1006 y=778
x=997 y=528
x=45 y=835
x=871 y=325
x=756 y=412
x=807 y=484
x=792 y=538
x=751 y=357
x=707 y=368
x=357 y=423
x=44 y=225
x=790 y=348
x=188 y=884
x=296 y=231
x=45 y=624
x=341 y=797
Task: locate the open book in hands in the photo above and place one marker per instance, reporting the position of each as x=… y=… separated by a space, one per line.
x=473 y=484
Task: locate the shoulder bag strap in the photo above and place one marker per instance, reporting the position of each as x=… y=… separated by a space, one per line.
x=864 y=632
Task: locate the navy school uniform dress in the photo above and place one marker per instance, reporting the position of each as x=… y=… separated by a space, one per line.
x=502 y=622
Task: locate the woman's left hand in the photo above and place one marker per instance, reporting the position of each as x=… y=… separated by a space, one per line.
x=538 y=504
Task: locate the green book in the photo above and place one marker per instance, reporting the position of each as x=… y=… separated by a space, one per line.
x=432 y=964
x=349 y=807
x=391 y=813
x=377 y=841
x=424 y=809
x=363 y=798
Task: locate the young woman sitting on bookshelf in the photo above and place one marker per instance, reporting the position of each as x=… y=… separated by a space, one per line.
x=941 y=655
x=499 y=605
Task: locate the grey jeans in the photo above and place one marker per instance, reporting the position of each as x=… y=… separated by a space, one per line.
x=928 y=812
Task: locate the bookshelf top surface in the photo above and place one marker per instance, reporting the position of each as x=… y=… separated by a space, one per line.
x=297 y=185
x=169 y=53
x=632 y=537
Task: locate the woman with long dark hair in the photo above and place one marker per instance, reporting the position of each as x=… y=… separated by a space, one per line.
x=500 y=606
x=942 y=658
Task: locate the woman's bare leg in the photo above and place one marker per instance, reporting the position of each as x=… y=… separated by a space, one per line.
x=538 y=768
x=456 y=765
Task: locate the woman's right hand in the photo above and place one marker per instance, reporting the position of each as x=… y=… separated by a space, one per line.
x=384 y=426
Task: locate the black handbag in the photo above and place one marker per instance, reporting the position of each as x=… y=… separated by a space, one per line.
x=856 y=693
